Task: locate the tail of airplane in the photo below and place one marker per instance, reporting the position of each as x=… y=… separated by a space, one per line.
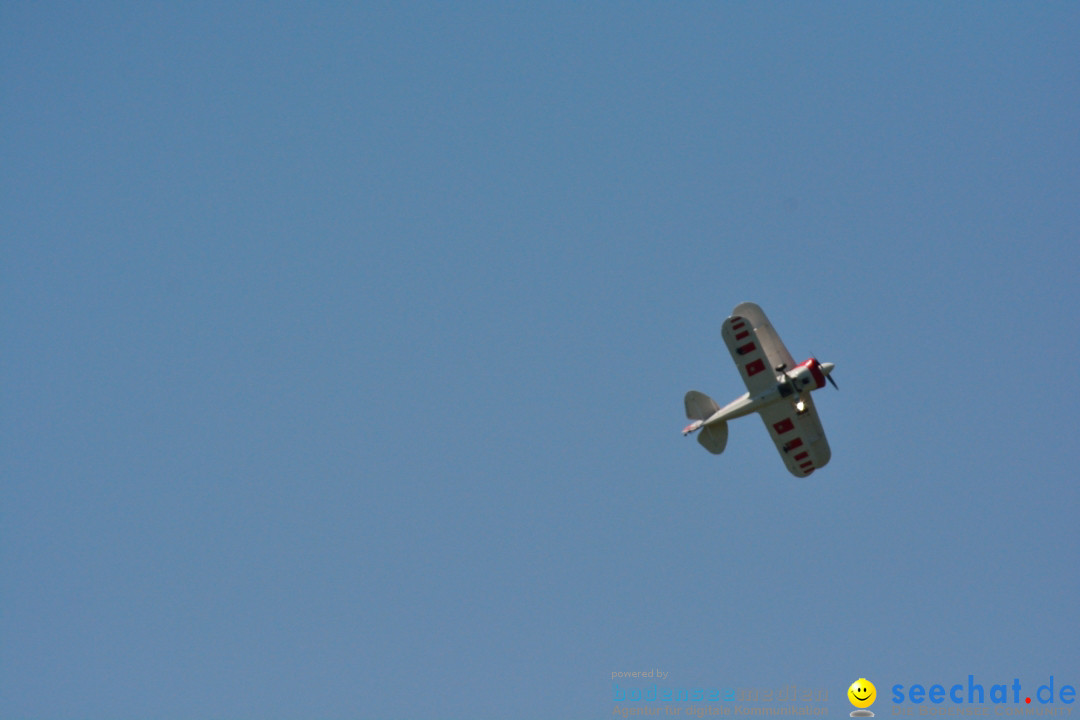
x=699 y=408
x=713 y=437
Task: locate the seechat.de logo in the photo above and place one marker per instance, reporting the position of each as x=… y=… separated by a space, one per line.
x=979 y=693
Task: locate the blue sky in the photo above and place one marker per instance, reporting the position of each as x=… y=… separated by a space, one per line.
x=346 y=346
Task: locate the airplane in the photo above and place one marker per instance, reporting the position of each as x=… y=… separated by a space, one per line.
x=777 y=389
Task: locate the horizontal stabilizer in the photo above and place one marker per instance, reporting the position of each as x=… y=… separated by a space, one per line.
x=713 y=437
x=700 y=406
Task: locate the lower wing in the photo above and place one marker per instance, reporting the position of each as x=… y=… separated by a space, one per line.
x=798 y=435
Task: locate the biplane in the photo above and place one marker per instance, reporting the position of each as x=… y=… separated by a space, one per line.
x=778 y=389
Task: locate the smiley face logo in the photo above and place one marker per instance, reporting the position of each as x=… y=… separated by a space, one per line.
x=862 y=693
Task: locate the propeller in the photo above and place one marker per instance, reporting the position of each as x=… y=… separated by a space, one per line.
x=828 y=374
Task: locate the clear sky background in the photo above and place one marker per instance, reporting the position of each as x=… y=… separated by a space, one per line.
x=344 y=348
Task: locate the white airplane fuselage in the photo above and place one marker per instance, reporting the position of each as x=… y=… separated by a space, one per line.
x=804 y=377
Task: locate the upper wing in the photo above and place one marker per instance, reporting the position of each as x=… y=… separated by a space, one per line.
x=799 y=437
x=755 y=347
